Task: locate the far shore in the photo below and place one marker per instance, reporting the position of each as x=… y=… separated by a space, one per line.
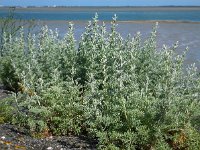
x=106 y=8
x=126 y=21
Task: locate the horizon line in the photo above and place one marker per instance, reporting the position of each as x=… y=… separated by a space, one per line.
x=101 y=6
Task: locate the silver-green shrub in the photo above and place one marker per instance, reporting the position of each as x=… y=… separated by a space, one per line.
x=125 y=92
x=9 y=29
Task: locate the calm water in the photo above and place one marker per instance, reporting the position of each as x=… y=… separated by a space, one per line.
x=180 y=15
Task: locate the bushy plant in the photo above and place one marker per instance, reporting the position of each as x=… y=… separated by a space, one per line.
x=6 y=111
x=9 y=29
x=125 y=92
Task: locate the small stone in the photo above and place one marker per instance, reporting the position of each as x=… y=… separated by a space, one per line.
x=3 y=137
x=49 y=138
x=49 y=148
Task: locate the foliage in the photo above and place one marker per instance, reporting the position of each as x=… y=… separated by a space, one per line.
x=10 y=28
x=6 y=111
x=122 y=91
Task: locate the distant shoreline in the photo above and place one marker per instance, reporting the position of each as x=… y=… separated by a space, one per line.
x=163 y=14
x=126 y=21
x=107 y=8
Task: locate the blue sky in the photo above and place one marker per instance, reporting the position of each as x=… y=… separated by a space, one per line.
x=100 y=2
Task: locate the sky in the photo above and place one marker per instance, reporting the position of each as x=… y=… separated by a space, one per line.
x=99 y=2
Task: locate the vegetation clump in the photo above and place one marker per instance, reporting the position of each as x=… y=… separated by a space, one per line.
x=6 y=111
x=124 y=92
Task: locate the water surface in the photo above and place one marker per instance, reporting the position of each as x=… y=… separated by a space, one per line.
x=106 y=13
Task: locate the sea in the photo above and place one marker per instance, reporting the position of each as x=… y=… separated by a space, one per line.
x=106 y=13
x=175 y=23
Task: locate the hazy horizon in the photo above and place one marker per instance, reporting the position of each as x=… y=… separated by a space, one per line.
x=100 y=3
x=100 y=6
